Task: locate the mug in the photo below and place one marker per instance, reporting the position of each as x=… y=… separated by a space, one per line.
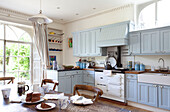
x=6 y=92
x=62 y=102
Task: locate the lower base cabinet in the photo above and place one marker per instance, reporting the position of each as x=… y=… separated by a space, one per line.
x=65 y=84
x=164 y=97
x=147 y=94
x=154 y=95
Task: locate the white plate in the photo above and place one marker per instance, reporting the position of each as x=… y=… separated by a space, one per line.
x=24 y=101
x=112 y=61
x=51 y=104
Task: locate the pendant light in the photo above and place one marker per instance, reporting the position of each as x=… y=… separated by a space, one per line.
x=40 y=18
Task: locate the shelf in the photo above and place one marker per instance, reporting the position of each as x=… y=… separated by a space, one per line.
x=55 y=51
x=55 y=43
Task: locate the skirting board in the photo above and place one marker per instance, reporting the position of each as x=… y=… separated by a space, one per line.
x=146 y=107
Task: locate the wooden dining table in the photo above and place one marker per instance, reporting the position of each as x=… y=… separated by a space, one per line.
x=6 y=106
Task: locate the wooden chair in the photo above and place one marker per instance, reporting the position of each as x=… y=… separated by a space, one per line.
x=88 y=88
x=8 y=78
x=44 y=81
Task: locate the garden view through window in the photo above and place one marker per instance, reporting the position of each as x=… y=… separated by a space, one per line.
x=15 y=53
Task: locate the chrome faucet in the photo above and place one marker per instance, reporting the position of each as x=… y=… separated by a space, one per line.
x=162 y=61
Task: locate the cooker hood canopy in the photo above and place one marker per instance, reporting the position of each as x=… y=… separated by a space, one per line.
x=114 y=35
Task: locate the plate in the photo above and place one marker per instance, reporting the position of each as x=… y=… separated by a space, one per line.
x=53 y=105
x=112 y=61
x=24 y=101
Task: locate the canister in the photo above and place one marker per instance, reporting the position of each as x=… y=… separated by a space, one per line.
x=130 y=65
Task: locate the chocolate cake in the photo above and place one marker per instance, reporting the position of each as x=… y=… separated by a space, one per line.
x=29 y=97
x=44 y=105
x=33 y=97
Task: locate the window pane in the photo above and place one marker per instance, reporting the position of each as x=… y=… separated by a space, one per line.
x=163 y=12
x=1 y=74
x=24 y=63
x=1 y=48
x=147 y=17
x=10 y=34
x=1 y=31
x=1 y=63
x=11 y=49
x=11 y=63
x=25 y=37
x=24 y=75
x=24 y=50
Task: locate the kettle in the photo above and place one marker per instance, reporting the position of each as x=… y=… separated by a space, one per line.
x=108 y=66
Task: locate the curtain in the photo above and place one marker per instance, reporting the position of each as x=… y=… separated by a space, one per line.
x=40 y=41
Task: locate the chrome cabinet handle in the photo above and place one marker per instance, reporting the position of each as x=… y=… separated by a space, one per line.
x=154 y=85
x=161 y=87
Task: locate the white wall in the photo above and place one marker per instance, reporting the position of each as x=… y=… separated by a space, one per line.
x=119 y=14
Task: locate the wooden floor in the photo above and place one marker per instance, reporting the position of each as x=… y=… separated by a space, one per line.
x=130 y=108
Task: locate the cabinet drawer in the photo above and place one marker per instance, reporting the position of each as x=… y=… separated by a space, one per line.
x=64 y=73
x=131 y=76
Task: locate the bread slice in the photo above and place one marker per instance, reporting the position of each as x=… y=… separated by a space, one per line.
x=44 y=105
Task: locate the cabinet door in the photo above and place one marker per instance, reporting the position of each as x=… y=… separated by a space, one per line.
x=150 y=42
x=165 y=40
x=82 y=43
x=75 y=44
x=134 y=43
x=88 y=76
x=65 y=84
x=98 y=49
x=76 y=79
x=131 y=90
x=147 y=94
x=164 y=97
x=88 y=42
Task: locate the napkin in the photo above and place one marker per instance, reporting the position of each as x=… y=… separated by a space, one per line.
x=16 y=100
x=53 y=96
x=78 y=100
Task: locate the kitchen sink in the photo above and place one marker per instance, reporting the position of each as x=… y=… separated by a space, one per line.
x=155 y=78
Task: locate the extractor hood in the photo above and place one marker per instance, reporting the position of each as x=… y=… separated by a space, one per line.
x=114 y=35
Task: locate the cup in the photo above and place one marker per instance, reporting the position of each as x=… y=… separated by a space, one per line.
x=35 y=88
x=62 y=102
x=46 y=88
x=6 y=92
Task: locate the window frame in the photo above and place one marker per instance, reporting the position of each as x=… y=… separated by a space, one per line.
x=30 y=71
x=140 y=9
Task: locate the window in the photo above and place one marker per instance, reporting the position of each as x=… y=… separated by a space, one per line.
x=155 y=14
x=16 y=44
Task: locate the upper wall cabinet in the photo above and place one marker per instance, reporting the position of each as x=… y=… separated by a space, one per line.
x=85 y=44
x=134 y=43
x=150 y=42
x=165 y=40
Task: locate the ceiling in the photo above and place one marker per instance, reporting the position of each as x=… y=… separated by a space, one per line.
x=64 y=10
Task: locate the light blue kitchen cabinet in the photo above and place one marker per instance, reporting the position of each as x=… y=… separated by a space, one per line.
x=76 y=44
x=165 y=40
x=148 y=94
x=65 y=84
x=131 y=89
x=164 y=97
x=76 y=79
x=82 y=44
x=150 y=41
x=88 y=42
x=134 y=43
x=88 y=77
